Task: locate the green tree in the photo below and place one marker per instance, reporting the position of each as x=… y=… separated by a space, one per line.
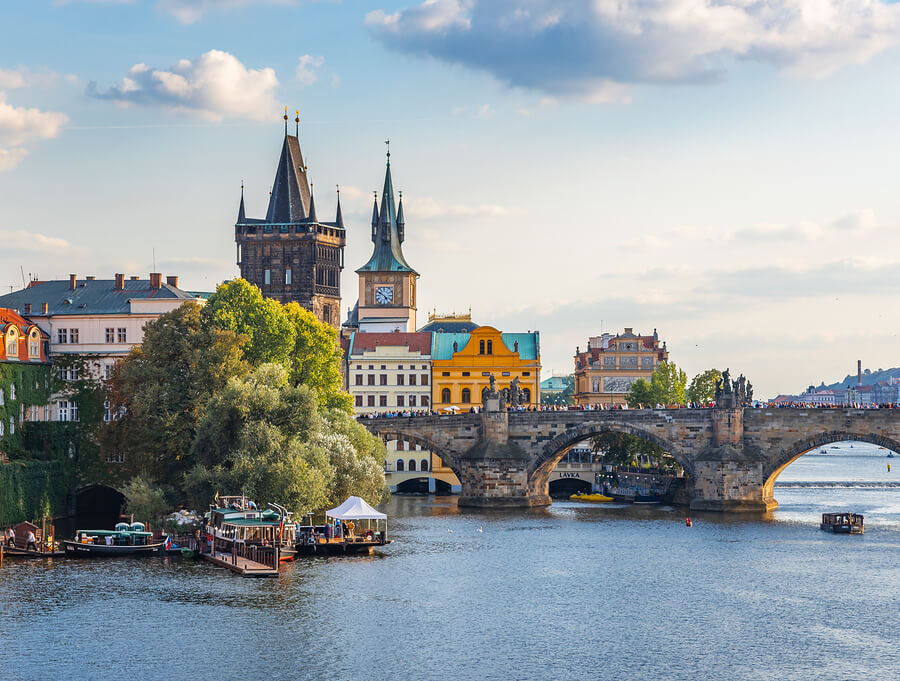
x=240 y=307
x=641 y=394
x=147 y=502
x=703 y=386
x=315 y=359
x=668 y=384
x=624 y=449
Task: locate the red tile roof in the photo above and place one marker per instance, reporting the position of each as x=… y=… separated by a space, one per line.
x=416 y=342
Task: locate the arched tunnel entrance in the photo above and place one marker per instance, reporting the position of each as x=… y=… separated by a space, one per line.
x=563 y=488
x=98 y=507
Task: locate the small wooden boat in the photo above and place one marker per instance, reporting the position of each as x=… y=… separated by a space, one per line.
x=599 y=498
x=842 y=523
x=125 y=540
x=43 y=552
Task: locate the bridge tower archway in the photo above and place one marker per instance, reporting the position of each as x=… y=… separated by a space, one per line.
x=797 y=449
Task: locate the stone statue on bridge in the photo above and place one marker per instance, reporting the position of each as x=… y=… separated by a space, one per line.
x=491 y=398
x=516 y=394
x=731 y=394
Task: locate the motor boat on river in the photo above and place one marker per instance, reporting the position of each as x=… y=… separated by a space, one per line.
x=124 y=540
x=237 y=524
x=352 y=527
x=842 y=523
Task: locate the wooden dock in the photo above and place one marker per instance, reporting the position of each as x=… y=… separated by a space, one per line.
x=242 y=566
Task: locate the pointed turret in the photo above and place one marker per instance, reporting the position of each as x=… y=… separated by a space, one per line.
x=374 y=217
x=339 y=217
x=241 y=215
x=400 y=221
x=312 y=207
x=289 y=201
x=387 y=255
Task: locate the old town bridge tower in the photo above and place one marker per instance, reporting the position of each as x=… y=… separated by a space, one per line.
x=291 y=255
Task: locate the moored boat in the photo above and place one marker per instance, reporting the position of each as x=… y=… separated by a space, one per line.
x=124 y=540
x=599 y=498
x=842 y=523
x=343 y=531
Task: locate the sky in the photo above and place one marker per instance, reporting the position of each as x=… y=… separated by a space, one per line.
x=722 y=171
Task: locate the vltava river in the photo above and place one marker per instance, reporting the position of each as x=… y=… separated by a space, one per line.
x=572 y=592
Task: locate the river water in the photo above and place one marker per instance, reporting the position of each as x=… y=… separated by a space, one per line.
x=575 y=591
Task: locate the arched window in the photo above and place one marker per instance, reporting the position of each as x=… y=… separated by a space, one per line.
x=423 y=465
x=12 y=343
x=412 y=464
x=445 y=395
x=400 y=465
x=466 y=396
x=527 y=392
x=490 y=347
x=481 y=347
x=34 y=343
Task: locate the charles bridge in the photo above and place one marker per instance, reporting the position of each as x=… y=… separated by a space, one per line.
x=731 y=456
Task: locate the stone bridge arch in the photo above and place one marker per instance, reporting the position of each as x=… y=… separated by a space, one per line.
x=552 y=452
x=388 y=432
x=776 y=464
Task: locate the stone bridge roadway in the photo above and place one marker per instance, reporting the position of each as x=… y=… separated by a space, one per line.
x=731 y=456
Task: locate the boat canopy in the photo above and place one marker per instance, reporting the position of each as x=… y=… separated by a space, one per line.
x=355 y=509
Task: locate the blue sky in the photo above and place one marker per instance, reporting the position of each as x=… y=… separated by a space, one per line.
x=722 y=171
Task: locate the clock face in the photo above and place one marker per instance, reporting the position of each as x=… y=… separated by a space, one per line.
x=384 y=294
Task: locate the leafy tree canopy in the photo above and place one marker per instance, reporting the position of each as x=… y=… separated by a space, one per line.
x=666 y=386
x=703 y=386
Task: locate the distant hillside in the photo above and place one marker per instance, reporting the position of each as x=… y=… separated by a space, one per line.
x=869 y=378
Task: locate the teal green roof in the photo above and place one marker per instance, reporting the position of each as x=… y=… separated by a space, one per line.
x=387 y=256
x=556 y=383
x=442 y=344
x=529 y=344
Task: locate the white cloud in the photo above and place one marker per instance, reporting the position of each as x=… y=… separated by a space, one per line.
x=589 y=48
x=214 y=86
x=21 y=239
x=861 y=221
x=485 y=111
x=426 y=208
x=306 y=68
x=20 y=126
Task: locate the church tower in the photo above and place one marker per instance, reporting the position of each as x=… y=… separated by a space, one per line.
x=291 y=255
x=387 y=284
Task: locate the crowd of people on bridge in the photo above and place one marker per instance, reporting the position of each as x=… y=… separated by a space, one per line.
x=409 y=413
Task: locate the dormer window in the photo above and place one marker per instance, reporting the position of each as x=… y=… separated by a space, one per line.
x=12 y=344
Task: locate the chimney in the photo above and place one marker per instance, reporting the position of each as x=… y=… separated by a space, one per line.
x=155 y=280
x=120 y=282
x=27 y=308
x=45 y=308
x=859 y=372
x=91 y=278
x=72 y=279
x=172 y=281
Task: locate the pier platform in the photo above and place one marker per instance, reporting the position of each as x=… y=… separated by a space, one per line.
x=242 y=566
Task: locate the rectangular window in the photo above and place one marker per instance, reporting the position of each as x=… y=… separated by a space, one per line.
x=358 y=379
x=358 y=400
x=401 y=445
x=62 y=336
x=412 y=379
x=399 y=379
x=490 y=347
x=485 y=373
x=445 y=373
x=73 y=335
x=382 y=379
x=465 y=373
x=370 y=400
x=267 y=277
x=370 y=379
x=424 y=379
x=382 y=400
x=383 y=367
x=107 y=411
x=526 y=373
x=399 y=367
x=62 y=410
x=122 y=335
x=412 y=400
x=34 y=349
x=424 y=367
x=371 y=367
x=110 y=335
x=108 y=371
x=359 y=367
x=506 y=373
x=287 y=276
x=424 y=400
x=400 y=400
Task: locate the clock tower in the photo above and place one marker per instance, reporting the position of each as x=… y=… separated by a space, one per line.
x=387 y=284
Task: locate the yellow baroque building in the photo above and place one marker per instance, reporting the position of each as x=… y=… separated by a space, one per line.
x=462 y=364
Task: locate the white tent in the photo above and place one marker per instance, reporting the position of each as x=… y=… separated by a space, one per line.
x=355 y=509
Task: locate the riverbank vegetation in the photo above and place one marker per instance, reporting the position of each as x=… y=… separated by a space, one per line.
x=242 y=395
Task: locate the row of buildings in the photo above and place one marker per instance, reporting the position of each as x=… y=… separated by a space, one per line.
x=390 y=364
